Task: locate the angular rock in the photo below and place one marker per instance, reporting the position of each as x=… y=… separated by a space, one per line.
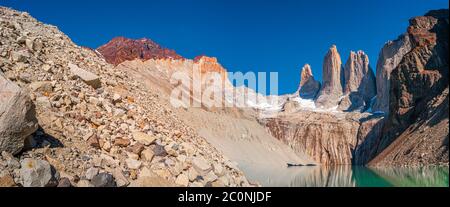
x=121 y=142
x=17 y=116
x=36 y=173
x=182 y=180
x=7 y=181
x=137 y=148
x=88 y=77
x=43 y=102
x=159 y=150
x=133 y=164
x=91 y=172
x=43 y=87
x=201 y=165
x=64 y=182
x=20 y=56
x=93 y=141
x=218 y=169
x=143 y=138
x=103 y=180
x=147 y=155
x=121 y=180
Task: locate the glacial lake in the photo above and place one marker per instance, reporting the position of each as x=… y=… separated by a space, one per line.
x=351 y=176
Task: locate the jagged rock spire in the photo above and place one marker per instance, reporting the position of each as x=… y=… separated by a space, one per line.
x=308 y=85
x=359 y=81
x=331 y=90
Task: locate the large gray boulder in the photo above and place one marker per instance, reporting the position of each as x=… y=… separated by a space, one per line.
x=36 y=173
x=17 y=116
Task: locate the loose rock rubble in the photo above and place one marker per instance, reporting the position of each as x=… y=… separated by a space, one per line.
x=97 y=126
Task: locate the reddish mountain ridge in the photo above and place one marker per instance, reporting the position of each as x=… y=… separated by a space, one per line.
x=121 y=49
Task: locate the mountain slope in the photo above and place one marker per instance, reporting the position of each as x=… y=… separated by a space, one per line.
x=97 y=125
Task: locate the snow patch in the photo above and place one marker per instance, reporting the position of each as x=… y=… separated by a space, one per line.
x=305 y=103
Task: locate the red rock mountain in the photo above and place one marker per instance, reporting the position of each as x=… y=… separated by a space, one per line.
x=121 y=49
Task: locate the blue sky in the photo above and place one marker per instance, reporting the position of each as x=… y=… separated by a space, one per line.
x=245 y=36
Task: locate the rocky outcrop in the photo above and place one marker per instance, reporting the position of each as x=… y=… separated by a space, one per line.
x=121 y=49
x=416 y=131
x=359 y=81
x=17 y=116
x=390 y=56
x=331 y=91
x=308 y=85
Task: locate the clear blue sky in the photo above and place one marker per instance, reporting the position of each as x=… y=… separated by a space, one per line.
x=244 y=35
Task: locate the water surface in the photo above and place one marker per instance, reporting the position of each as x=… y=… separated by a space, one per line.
x=352 y=176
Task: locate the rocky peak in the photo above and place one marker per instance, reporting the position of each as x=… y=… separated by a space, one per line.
x=121 y=49
x=308 y=85
x=306 y=74
x=331 y=90
x=359 y=77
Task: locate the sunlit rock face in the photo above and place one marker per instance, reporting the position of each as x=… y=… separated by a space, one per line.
x=390 y=56
x=121 y=49
x=331 y=90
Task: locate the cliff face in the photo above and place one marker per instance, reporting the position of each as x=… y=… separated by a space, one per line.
x=329 y=139
x=390 y=56
x=121 y=49
x=416 y=131
x=331 y=90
